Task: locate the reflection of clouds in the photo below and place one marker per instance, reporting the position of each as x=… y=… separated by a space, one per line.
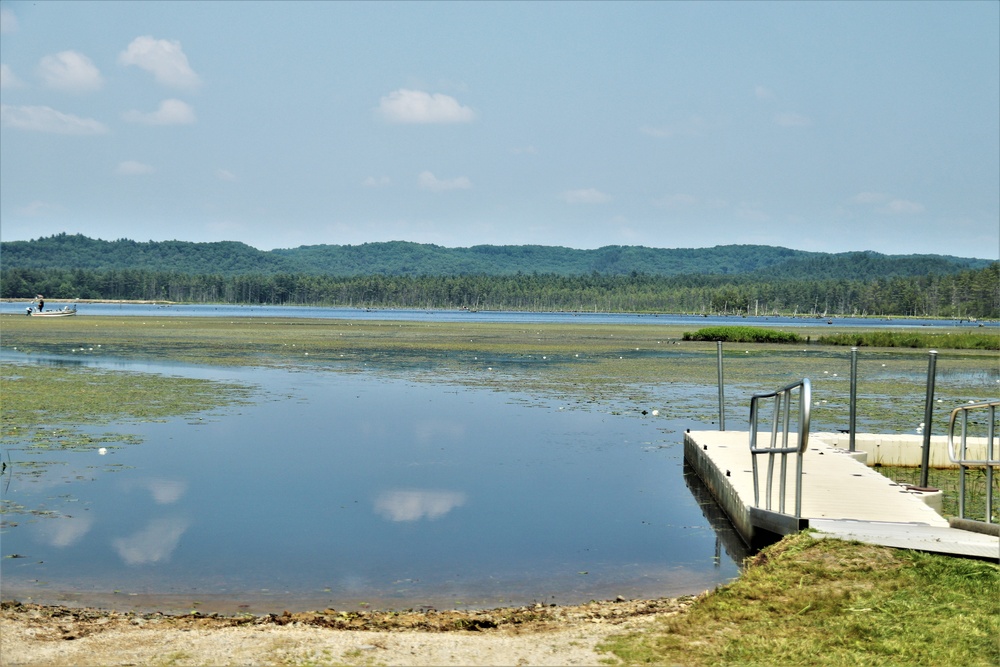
x=416 y=505
x=152 y=544
x=166 y=491
x=430 y=430
x=64 y=531
x=163 y=491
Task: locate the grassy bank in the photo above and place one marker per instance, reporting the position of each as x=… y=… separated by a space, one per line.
x=825 y=602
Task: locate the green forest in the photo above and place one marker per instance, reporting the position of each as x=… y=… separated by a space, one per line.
x=751 y=280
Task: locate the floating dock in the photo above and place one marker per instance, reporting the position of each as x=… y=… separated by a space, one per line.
x=841 y=497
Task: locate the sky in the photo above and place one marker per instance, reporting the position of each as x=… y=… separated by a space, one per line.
x=827 y=127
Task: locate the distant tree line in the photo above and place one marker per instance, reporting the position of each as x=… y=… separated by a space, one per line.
x=967 y=294
x=402 y=258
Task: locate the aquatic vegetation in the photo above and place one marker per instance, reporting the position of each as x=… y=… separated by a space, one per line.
x=944 y=341
x=744 y=335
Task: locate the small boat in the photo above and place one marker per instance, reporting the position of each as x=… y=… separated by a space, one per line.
x=65 y=311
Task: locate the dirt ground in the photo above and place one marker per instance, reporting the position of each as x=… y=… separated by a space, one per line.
x=33 y=634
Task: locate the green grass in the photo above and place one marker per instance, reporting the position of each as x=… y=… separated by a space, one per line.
x=947 y=480
x=736 y=334
x=944 y=341
x=827 y=602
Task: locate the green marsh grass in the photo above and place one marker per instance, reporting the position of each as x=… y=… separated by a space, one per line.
x=740 y=334
x=941 y=341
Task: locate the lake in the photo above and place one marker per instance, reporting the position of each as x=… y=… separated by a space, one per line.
x=362 y=490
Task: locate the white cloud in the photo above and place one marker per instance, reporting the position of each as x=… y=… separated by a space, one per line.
x=47 y=119
x=165 y=59
x=869 y=198
x=693 y=126
x=887 y=203
x=585 y=196
x=416 y=505
x=8 y=22
x=8 y=79
x=226 y=175
x=70 y=71
x=170 y=112
x=676 y=201
x=376 y=182
x=903 y=206
x=763 y=93
x=429 y=181
x=416 y=106
x=38 y=209
x=752 y=212
x=790 y=119
x=133 y=168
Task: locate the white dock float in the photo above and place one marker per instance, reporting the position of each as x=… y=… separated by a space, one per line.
x=840 y=496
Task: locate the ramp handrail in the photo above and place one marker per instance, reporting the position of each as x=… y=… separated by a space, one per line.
x=960 y=456
x=782 y=416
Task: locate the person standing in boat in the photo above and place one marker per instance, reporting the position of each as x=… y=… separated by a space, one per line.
x=41 y=302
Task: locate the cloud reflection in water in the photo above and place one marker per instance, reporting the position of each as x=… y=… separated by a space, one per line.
x=155 y=543
x=415 y=505
x=65 y=531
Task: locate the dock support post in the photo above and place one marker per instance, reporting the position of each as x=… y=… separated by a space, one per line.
x=722 y=405
x=854 y=399
x=925 y=455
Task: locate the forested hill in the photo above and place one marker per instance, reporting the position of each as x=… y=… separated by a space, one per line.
x=399 y=258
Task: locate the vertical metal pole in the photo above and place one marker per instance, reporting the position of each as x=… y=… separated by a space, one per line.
x=722 y=404
x=925 y=457
x=854 y=398
x=962 y=467
x=990 y=436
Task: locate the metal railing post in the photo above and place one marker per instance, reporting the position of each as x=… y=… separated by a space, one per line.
x=722 y=399
x=852 y=426
x=959 y=453
x=781 y=419
x=925 y=455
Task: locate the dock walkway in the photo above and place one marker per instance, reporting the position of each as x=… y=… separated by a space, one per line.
x=841 y=497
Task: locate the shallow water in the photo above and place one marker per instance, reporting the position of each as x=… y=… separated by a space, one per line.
x=366 y=488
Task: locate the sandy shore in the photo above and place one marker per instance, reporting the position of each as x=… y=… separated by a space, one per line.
x=535 y=635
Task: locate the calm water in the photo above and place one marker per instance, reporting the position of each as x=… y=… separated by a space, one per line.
x=345 y=489
x=144 y=310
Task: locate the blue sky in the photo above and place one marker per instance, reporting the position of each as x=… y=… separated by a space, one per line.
x=817 y=126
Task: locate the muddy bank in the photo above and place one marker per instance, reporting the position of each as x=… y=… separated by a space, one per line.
x=536 y=634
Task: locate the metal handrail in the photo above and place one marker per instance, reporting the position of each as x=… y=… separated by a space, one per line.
x=961 y=456
x=782 y=415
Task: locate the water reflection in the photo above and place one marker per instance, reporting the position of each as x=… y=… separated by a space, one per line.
x=162 y=491
x=338 y=487
x=726 y=535
x=417 y=505
x=64 y=531
x=153 y=544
